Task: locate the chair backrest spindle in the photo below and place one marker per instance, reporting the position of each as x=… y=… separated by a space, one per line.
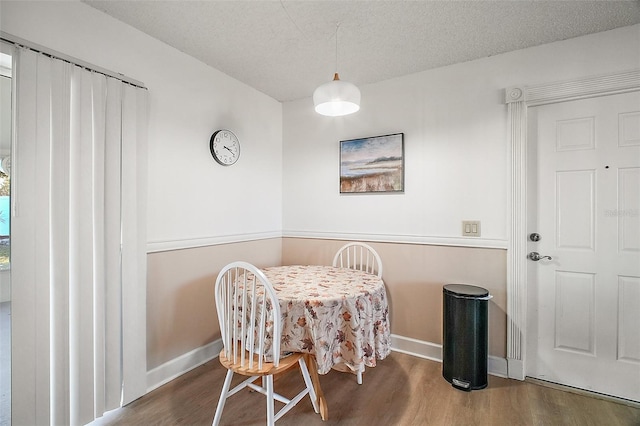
x=247 y=308
x=359 y=256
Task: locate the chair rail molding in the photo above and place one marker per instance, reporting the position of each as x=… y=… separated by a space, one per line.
x=518 y=99
x=156 y=246
x=473 y=242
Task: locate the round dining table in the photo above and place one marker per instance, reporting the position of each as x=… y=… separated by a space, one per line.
x=339 y=315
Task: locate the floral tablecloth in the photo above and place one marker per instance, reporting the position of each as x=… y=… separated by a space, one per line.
x=340 y=315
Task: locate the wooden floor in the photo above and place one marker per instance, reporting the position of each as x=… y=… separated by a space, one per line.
x=401 y=390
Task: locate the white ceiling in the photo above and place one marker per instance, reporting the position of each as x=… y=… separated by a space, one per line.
x=287 y=48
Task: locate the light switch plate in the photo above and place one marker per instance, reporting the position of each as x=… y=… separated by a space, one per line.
x=470 y=228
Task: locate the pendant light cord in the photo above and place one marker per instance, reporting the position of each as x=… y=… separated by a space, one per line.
x=337 y=28
x=335 y=75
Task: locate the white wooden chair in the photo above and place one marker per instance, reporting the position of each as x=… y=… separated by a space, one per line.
x=363 y=257
x=359 y=256
x=245 y=326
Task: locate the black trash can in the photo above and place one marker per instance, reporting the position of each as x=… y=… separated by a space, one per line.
x=465 y=336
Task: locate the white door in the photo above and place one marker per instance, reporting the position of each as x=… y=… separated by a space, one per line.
x=584 y=302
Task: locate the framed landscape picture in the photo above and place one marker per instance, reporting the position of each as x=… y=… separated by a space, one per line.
x=374 y=164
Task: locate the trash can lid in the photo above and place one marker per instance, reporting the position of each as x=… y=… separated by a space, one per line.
x=466 y=290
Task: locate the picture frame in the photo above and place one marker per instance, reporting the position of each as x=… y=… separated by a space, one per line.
x=372 y=164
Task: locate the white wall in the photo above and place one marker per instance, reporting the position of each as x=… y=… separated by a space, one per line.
x=192 y=199
x=456 y=145
x=453 y=118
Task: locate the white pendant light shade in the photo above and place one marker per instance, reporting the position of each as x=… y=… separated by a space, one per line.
x=336 y=98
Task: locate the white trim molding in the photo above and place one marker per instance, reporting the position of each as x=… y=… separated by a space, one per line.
x=516 y=268
x=186 y=243
x=170 y=370
x=401 y=239
x=518 y=99
x=415 y=347
x=588 y=87
x=497 y=366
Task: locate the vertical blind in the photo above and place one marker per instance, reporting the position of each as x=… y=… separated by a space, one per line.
x=78 y=239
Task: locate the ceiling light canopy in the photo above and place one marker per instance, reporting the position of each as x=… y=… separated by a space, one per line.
x=336 y=97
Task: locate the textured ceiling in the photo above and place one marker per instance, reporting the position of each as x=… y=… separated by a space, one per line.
x=287 y=48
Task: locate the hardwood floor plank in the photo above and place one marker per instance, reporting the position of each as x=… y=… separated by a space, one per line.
x=401 y=390
x=509 y=402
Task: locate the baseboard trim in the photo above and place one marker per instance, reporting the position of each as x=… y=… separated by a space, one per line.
x=178 y=366
x=498 y=366
x=433 y=351
x=415 y=347
x=515 y=369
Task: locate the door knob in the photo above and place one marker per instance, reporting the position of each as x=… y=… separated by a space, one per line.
x=535 y=256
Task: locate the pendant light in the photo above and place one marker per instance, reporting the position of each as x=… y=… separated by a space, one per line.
x=336 y=97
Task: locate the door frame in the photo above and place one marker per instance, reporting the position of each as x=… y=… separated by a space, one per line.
x=518 y=100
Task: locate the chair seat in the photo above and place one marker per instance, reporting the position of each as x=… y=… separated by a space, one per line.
x=267 y=367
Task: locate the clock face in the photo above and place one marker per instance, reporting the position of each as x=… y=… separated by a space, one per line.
x=225 y=147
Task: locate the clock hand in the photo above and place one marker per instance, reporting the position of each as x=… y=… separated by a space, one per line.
x=227 y=148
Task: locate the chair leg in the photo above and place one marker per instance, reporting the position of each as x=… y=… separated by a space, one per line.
x=359 y=378
x=223 y=398
x=270 y=400
x=307 y=380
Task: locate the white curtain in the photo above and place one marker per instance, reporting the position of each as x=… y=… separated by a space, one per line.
x=78 y=240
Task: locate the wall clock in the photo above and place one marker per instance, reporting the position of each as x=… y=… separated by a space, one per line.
x=225 y=147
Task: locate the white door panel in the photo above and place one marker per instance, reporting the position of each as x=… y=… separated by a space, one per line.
x=584 y=306
x=627 y=213
x=628 y=319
